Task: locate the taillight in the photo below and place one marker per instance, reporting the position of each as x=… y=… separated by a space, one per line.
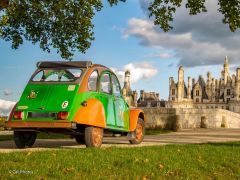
x=18 y=115
x=62 y=115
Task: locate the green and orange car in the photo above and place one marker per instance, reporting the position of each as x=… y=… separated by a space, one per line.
x=76 y=98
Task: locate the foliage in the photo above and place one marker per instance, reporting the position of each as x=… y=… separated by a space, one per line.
x=163 y=10
x=203 y=161
x=66 y=25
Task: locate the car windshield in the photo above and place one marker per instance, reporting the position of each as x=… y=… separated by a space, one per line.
x=57 y=75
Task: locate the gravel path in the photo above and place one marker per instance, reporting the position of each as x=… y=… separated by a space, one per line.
x=188 y=136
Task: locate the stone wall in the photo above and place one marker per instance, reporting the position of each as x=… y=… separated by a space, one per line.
x=170 y=118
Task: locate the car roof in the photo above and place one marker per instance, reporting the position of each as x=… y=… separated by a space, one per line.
x=77 y=64
x=57 y=64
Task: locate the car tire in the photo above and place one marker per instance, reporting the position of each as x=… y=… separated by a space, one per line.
x=23 y=139
x=93 y=136
x=80 y=139
x=139 y=132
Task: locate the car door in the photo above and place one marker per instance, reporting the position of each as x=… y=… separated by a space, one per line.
x=121 y=111
x=105 y=95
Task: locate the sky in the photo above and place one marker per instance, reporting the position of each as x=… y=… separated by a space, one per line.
x=126 y=39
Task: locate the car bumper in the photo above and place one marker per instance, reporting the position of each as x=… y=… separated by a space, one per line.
x=39 y=124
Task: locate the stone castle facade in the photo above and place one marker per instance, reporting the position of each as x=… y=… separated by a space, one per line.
x=129 y=95
x=223 y=93
x=146 y=99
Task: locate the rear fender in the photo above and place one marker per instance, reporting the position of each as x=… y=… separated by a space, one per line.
x=11 y=113
x=92 y=114
x=134 y=115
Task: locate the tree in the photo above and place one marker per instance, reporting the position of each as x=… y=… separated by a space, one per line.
x=163 y=10
x=66 y=25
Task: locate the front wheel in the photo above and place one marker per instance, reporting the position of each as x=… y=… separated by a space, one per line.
x=93 y=136
x=139 y=132
x=24 y=138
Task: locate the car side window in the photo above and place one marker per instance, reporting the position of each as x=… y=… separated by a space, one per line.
x=116 y=86
x=105 y=85
x=92 y=81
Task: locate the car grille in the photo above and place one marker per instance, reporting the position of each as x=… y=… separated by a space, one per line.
x=42 y=115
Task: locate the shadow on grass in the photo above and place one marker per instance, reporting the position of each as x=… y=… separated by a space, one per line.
x=231 y=144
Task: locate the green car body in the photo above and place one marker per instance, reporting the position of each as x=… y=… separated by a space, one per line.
x=70 y=98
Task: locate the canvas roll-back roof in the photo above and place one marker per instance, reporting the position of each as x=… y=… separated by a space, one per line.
x=57 y=64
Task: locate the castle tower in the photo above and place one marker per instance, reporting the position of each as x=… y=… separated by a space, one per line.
x=127 y=80
x=142 y=95
x=135 y=96
x=238 y=74
x=172 y=89
x=180 y=86
x=226 y=70
x=217 y=89
x=237 y=86
x=193 y=82
x=189 y=88
x=213 y=90
x=208 y=87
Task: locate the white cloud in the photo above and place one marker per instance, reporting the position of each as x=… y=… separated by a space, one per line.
x=138 y=71
x=195 y=40
x=6 y=106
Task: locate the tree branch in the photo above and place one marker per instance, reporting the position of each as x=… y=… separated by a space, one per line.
x=4 y=4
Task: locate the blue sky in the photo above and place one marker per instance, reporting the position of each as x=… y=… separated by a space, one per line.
x=125 y=38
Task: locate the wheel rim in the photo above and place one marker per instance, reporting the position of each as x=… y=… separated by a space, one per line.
x=97 y=136
x=139 y=132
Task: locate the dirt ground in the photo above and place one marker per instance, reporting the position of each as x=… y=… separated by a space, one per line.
x=187 y=136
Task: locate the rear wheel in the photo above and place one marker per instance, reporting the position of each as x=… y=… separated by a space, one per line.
x=139 y=132
x=24 y=138
x=93 y=136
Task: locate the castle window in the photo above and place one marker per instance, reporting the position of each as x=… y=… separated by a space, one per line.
x=228 y=92
x=173 y=98
x=228 y=99
x=197 y=93
x=173 y=91
x=227 y=108
x=197 y=100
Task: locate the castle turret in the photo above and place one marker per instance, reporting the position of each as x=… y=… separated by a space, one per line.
x=237 y=85
x=238 y=74
x=189 y=88
x=127 y=80
x=226 y=70
x=142 y=95
x=193 y=82
x=180 y=86
x=213 y=90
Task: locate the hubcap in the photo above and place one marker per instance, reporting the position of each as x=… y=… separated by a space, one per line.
x=139 y=131
x=97 y=136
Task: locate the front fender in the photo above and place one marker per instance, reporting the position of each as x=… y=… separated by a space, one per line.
x=134 y=115
x=92 y=114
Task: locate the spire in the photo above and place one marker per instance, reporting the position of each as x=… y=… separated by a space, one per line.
x=226 y=60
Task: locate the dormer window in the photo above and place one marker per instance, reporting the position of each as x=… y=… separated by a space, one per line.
x=197 y=93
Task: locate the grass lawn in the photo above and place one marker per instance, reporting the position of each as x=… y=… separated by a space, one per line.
x=205 y=161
